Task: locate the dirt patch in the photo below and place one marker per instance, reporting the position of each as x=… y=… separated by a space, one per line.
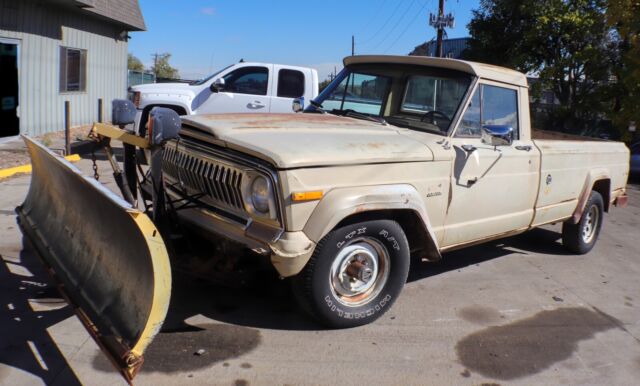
x=479 y=315
x=174 y=351
x=531 y=345
x=15 y=153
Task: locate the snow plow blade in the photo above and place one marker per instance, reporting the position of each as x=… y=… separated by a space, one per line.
x=107 y=258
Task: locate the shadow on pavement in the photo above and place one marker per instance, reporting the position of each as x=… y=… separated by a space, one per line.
x=31 y=305
x=538 y=240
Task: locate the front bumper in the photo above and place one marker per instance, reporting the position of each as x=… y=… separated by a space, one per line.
x=289 y=251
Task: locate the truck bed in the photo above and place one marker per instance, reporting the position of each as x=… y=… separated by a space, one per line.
x=570 y=166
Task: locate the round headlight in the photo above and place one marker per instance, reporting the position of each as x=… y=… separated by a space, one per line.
x=260 y=194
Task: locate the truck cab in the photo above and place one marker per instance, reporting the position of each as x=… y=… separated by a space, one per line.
x=245 y=87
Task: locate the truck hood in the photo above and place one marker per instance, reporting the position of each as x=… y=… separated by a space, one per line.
x=165 y=88
x=302 y=140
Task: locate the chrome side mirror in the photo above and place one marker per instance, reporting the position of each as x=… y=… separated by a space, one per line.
x=217 y=85
x=297 y=105
x=497 y=135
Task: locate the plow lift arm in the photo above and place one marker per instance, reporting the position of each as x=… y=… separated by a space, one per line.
x=106 y=256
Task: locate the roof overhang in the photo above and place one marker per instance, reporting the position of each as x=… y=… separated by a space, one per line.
x=481 y=70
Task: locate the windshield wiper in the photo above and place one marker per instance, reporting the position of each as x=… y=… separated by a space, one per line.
x=354 y=114
x=317 y=106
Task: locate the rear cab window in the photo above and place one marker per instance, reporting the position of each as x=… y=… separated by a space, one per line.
x=290 y=83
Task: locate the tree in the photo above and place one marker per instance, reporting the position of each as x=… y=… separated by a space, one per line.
x=161 y=67
x=624 y=17
x=567 y=43
x=324 y=84
x=134 y=64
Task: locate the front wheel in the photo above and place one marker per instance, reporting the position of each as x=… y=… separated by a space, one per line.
x=355 y=274
x=581 y=237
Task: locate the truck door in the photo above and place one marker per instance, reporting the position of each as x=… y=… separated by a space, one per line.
x=288 y=84
x=493 y=189
x=245 y=91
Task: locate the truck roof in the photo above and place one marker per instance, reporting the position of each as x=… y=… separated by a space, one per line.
x=487 y=71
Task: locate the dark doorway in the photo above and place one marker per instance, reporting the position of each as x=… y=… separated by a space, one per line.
x=9 y=122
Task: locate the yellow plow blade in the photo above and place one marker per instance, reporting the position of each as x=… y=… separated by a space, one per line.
x=107 y=257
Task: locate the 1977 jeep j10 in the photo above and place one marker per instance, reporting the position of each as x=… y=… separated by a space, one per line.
x=398 y=158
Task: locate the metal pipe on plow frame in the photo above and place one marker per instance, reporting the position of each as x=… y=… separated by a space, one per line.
x=107 y=257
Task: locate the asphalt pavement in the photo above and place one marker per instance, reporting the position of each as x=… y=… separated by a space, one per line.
x=515 y=311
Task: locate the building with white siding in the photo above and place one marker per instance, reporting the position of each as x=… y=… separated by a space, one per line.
x=53 y=51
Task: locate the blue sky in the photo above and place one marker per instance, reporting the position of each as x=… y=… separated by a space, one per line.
x=205 y=35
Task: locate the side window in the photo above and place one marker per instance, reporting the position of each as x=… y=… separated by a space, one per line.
x=500 y=107
x=247 y=80
x=490 y=105
x=470 y=123
x=290 y=83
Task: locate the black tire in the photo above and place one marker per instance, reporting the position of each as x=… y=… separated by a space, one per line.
x=344 y=298
x=581 y=237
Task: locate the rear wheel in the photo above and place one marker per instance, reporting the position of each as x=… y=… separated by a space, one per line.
x=355 y=274
x=581 y=237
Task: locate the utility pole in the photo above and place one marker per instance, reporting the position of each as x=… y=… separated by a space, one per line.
x=353 y=45
x=155 y=64
x=439 y=22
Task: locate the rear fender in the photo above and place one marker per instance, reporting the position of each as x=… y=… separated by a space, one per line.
x=594 y=175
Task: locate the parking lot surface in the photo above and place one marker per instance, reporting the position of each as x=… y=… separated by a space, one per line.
x=515 y=311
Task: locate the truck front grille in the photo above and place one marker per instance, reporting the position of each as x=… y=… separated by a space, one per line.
x=220 y=181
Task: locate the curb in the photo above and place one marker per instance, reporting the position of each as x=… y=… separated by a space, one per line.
x=25 y=169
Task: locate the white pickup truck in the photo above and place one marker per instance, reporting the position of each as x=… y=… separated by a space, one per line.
x=244 y=87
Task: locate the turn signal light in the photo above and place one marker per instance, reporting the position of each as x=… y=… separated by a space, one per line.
x=307 y=196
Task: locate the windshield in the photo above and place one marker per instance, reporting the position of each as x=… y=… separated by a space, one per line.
x=415 y=97
x=362 y=93
x=205 y=80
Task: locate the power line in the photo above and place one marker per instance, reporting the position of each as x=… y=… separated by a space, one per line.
x=375 y=15
x=395 y=26
x=383 y=25
x=407 y=27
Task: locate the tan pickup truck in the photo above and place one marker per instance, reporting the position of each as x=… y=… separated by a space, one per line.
x=399 y=159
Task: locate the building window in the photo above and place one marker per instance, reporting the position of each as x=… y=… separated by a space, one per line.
x=73 y=70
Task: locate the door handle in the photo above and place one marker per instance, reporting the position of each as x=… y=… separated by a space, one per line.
x=524 y=147
x=469 y=148
x=255 y=105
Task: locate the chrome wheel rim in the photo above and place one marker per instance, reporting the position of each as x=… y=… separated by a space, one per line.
x=359 y=271
x=590 y=224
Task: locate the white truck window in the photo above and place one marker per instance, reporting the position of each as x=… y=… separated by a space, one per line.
x=490 y=105
x=470 y=123
x=290 y=83
x=425 y=93
x=500 y=107
x=247 y=80
x=359 y=92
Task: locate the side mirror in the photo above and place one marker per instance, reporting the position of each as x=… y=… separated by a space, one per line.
x=217 y=85
x=164 y=124
x=123 y=112
x=297 y=105
x=497 y=135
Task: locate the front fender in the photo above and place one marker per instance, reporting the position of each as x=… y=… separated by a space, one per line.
x=339 y=204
